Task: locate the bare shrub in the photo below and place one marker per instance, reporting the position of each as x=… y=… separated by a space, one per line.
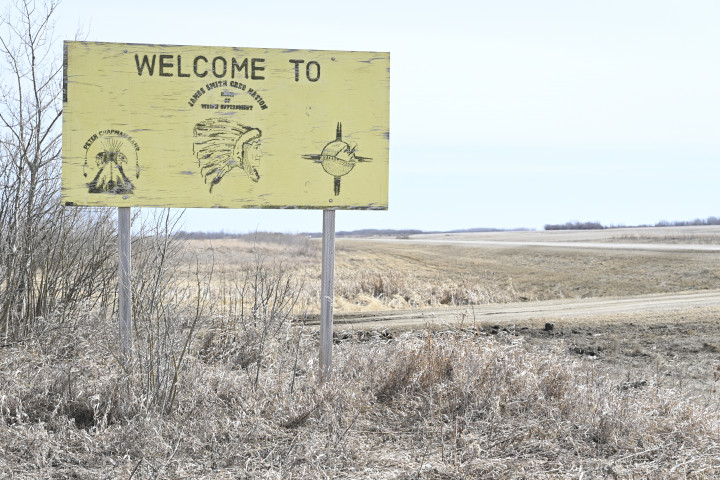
x=257 y=312
x=54 y=258
x=167 y=313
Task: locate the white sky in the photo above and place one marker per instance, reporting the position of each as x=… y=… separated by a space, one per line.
x=503 y=113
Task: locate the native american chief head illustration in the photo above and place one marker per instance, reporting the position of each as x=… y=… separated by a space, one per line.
x=221 y=145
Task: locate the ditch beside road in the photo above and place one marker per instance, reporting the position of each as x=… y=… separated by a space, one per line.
x=668 y=339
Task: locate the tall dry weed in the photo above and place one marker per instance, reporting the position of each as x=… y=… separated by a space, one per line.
x=254 y=314
x=400 y=289
x=167 y=313
x=445 y=405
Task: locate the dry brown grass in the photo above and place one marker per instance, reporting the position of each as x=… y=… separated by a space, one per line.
x=538 y=272
x=683 y=238
x=426 y=406
x=366 y=277
x=378 y=276
x=247 y=403
x=645 y=234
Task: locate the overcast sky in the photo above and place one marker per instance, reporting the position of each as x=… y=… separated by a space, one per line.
x=503 y=114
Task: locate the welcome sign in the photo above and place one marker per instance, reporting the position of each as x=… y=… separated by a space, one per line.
x=184 y=126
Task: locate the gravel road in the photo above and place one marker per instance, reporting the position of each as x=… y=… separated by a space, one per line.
x=523 y=312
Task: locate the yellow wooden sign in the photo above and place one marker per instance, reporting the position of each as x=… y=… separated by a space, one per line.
x=182 y=126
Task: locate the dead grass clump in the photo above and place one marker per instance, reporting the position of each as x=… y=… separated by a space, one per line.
x=43 y=380
x=398 y=289
x=245 y=330
x=427 y=406
x=476 y=291
x=414 y=370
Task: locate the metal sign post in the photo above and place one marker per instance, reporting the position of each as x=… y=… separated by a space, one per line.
x=125 y=291
x=327 y=292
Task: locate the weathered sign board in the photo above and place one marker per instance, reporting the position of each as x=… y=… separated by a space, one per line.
x=188 y=126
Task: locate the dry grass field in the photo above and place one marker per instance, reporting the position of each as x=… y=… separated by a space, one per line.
x=382 y=273
x=224 y=380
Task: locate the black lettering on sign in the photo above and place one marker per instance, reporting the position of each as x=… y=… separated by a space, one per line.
x=310 y=64
x=145 y=64
x=248 y=68
x=165 y=62
x=256 y=68
x=312 y=70
x=180 y=74
x=216 y=69
x=90 y=141
x=236 y=107
x=297 y=68
x=258 y=98
x=196 y=96
x=195 y=66
x=219 y=83
x=239 y=67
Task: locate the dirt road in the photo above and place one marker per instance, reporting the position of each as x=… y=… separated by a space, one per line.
x=590 y=261
x=528 y=312
x=655 y=239
x=594 y=245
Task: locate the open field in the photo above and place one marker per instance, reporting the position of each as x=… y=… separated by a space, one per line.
x=637 y=299
x=509 y=355
x=683 y=235
x=560 y=264
x=626 y=297
x=433 y=270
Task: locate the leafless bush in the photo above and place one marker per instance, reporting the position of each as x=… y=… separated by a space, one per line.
x=167 y=313
x=54 y=258
x=255 y=311
x=58 y=263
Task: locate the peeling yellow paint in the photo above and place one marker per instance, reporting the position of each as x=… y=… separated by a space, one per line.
x=188 y=126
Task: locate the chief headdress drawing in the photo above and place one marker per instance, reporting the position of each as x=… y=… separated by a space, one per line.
x=221 y=145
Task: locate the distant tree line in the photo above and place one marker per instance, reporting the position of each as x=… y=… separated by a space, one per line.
x=575 y=225
x=257 y=237
x=692 y=223
x=367 y=232
x=284 y=238
x=272 y=237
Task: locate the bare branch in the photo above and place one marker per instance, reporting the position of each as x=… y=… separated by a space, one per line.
x=38 y=236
